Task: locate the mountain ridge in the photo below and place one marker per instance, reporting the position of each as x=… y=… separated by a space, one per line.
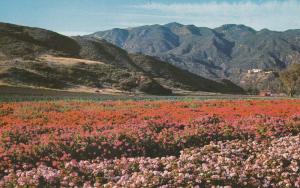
x=225 y=52
x=42 y=58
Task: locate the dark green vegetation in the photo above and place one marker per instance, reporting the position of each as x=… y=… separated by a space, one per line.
x=42 y=58
x=227 y=52
x=18 y=94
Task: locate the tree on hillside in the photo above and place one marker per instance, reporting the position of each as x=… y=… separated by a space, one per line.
x=291 y=79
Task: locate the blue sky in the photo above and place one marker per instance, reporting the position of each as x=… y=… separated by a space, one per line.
x=74 y=17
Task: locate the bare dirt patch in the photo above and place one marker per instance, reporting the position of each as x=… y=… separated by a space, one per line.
x=67 y=60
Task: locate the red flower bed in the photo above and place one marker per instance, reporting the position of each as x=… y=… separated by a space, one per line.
x=46 y=135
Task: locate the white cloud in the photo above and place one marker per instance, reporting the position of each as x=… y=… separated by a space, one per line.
x=276 y=15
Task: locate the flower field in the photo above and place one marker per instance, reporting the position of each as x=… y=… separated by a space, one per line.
x=247 y=143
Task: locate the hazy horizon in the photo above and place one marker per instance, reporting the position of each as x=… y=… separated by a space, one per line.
x=87 y=16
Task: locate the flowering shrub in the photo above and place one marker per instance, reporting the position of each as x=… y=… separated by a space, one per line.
x=237 y=143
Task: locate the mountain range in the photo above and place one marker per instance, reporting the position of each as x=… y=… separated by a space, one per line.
x=227 y=52
x=41 y=58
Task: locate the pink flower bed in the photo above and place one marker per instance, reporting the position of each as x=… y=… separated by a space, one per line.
x=151 y=144
x=233 y=163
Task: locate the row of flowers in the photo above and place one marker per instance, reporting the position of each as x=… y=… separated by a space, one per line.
x=38 y=138
x=236 y=163
x=150 y=139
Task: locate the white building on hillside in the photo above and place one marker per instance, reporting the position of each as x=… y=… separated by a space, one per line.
x=254 y=71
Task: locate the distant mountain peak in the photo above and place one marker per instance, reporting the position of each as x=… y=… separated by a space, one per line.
x=118 y=29
x=264 y=30
x=174 y=24
x=235 y=27
x=227 y=51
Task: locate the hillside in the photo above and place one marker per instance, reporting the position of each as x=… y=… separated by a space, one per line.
x=41 y=58
x=225 y=52
x=171 y=76
x=264 y=80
